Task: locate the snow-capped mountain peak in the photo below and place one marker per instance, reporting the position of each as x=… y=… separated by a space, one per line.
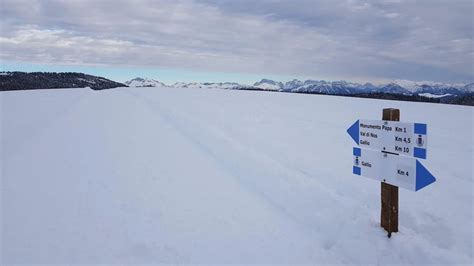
x=292 y=84
x=394 y=88
x=267 y=84
x=468 y=88
x=144 y=82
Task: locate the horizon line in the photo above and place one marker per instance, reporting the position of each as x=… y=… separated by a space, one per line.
x=171 y=76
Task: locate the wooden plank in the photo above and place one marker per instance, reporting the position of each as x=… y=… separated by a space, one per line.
x=389 y=193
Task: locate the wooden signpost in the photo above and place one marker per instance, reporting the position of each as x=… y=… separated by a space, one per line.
x=389 y=193
x=388 y=152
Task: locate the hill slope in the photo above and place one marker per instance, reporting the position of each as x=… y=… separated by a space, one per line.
x=144 y=175
x=52 y=80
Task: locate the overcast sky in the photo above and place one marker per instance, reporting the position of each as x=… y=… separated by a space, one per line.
x=242 y=40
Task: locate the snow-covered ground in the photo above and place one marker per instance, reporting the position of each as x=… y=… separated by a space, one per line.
x=149 y=175
x=430 y=95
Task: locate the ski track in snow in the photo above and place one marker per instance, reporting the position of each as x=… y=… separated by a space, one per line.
x=184 y=126
x=214 y=176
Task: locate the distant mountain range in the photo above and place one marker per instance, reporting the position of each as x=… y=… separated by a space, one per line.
x=52 y=80
x=400 y=90
x=344 y=87
x=428 y=89
x=322 y=86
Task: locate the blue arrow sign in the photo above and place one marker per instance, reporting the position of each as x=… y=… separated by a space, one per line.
x=423 y=176
x=354 y=132
x=400 y=171
x=409 y=139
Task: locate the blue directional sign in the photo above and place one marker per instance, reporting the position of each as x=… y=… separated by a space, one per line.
x=409 y=139
x=400 y=171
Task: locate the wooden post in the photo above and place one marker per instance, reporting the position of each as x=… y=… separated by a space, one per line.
x=389 y=193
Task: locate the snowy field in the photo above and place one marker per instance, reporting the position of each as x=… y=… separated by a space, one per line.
x=167 y=175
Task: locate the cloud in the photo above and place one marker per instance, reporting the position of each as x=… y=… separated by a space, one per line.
x=347 y=40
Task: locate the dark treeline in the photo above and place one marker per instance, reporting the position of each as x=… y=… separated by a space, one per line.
x=53 y=80
x=467 y=99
